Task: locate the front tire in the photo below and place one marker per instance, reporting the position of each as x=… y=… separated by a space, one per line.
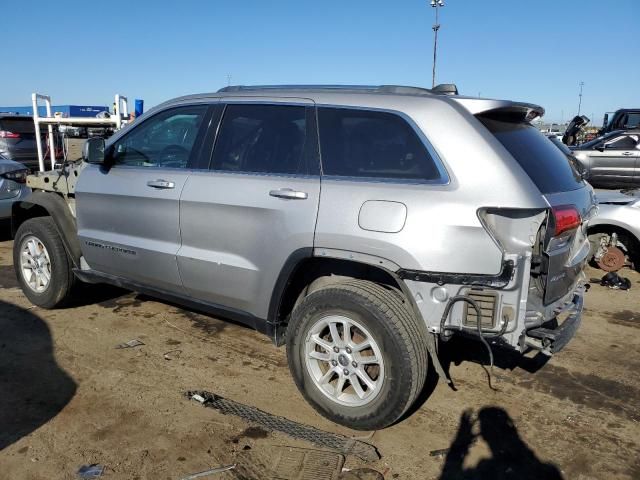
x=41 y=263
x=357 y=353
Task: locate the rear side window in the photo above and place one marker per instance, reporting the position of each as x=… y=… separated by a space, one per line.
x=262 y=139
x=544 y=163
x=372 y=144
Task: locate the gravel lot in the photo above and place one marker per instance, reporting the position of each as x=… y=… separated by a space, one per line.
x=68 y=397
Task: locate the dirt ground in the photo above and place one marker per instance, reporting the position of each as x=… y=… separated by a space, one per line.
x=68 y=397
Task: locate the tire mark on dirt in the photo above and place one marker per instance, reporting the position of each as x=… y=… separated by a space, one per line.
x=626 y=318
x=589 y=390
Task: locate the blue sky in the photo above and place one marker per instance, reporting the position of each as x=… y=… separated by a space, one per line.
x=83 y=52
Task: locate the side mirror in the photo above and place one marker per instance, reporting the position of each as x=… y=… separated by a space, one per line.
x=93 y=150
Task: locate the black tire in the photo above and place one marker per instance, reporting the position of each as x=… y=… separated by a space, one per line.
x=394 y=327
x=58 y=291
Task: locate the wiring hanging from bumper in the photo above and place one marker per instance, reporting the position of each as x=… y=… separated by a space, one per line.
x=482 y=334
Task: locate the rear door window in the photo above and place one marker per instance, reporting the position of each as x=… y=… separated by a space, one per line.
x=262 y=139
x=373 y=144
x=544 y=163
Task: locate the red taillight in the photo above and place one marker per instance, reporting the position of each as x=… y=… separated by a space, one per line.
x=7 y=134
x=566 y=217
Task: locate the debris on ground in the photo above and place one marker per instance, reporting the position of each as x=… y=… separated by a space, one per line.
x=288 y=463
x=198 y=398
x=171 y=354
x=615 y=281
x=361 y=474
x=332 y=441
x=439 y=453
x=94 y=470
x=212 y=471
x=293 y=463
x=130 y=344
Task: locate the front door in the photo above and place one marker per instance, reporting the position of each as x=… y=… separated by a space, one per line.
x=128 y=214
x=257 y=204
x=614 y=162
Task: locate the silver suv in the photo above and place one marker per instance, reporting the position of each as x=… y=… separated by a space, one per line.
x=357 y=225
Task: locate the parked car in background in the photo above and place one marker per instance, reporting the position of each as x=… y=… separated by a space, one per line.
x=18 y=140
x=612 y=160
x=345 y=222
x=622 y=119
x=614 y=233
x=13 y=176
x=575 y=164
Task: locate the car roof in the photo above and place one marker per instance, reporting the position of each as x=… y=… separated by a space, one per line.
x=367 y=95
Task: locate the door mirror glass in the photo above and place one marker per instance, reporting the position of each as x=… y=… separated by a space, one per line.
x=93 y=150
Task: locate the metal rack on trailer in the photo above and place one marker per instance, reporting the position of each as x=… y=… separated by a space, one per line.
x=118 y=119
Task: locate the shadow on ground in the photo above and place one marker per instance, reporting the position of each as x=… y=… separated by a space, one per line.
x=510 y=458
x=459 y=350
x=5 y=230
x=33 y=388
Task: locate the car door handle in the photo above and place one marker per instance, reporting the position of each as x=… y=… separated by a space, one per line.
x=161 y=184
x=288 y=194
x=627 y=154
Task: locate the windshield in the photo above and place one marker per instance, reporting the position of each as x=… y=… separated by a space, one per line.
x=547 y=166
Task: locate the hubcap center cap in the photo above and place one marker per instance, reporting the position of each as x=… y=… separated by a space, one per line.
x=343 y=360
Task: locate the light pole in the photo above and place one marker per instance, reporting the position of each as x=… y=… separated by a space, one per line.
x=580 y=98
x=436 y=26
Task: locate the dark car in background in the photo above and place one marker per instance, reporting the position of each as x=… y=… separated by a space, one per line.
x=622 y=119
x=13 y=176
x=18 y=140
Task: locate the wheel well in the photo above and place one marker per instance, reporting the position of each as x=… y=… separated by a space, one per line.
x=47 y=204
x=634 y=250
x=320 y=271
x=24 y=211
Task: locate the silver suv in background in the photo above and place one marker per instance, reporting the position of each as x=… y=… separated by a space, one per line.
x=612 y=160
x=357 y=225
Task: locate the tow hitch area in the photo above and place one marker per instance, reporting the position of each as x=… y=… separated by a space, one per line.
x=552 y=340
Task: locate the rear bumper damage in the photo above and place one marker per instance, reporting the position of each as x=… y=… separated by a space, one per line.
x=554 y=335
x=513 y=315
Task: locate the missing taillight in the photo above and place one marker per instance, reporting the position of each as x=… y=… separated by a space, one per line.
x=566 y=217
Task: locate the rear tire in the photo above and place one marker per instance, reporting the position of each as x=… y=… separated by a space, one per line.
x=389 y=375
x=41 y=263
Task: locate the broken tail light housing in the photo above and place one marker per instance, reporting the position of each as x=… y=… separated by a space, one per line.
x=566 y=217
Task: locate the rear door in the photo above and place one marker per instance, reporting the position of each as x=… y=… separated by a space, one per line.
x=245 y=216
x=128 y=215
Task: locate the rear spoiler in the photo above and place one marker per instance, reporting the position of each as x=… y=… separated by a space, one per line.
x=501 y=109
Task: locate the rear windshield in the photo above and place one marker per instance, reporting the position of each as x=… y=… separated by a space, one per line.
x=546 y=165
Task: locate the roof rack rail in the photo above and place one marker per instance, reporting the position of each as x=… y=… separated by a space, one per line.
x=443 y=89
